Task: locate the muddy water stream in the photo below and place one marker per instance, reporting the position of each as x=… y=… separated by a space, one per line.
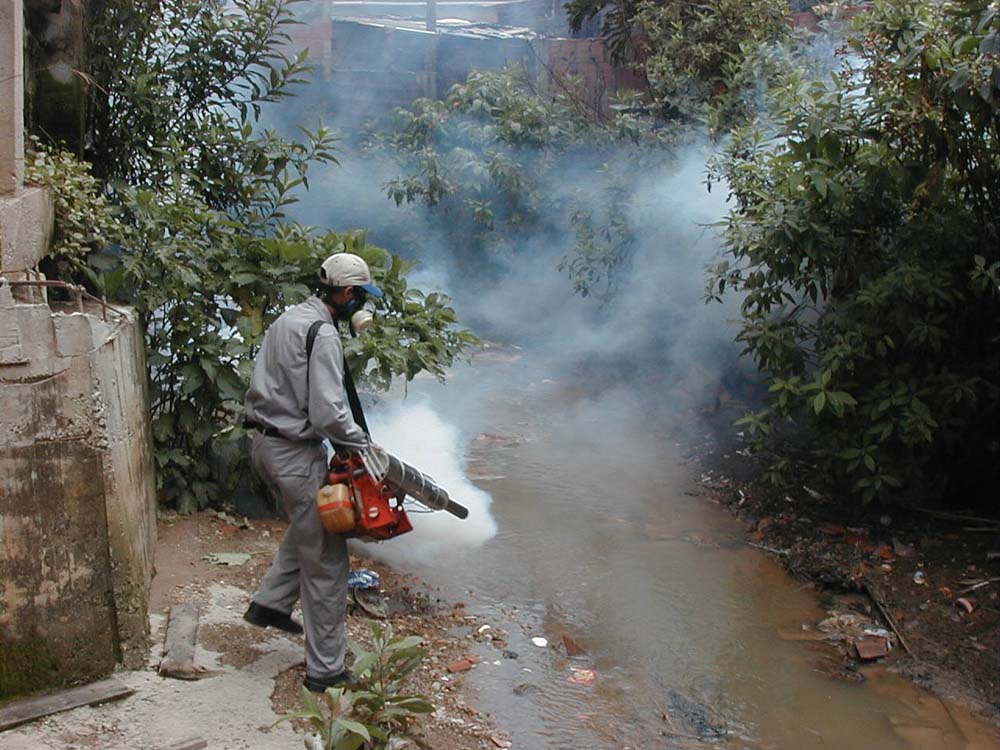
x=696 y=639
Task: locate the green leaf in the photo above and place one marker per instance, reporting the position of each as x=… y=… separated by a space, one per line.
x=355 y=727
x=819 y=401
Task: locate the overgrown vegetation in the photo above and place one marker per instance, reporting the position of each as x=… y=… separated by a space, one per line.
x=706 y=61
x=181 y=215
x=863 y=240
x=512 y=168
x=515 y=167
x=865 y=243
x=376 y=709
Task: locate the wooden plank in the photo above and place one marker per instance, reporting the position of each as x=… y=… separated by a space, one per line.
x=29 y=709
x=178 y=647
x=194 y=743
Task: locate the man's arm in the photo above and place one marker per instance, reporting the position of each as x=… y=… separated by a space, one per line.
x=329 y=411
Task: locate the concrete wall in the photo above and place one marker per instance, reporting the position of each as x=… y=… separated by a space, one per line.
x=77 y=499
x=77 y=494
x=590 y=61
x=380 y=64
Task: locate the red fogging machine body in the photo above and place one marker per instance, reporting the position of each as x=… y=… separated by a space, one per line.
x=354 y=503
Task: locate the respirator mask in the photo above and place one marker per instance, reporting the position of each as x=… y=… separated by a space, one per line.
x=359 y=319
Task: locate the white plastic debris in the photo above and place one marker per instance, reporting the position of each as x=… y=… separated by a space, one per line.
x=539 y=641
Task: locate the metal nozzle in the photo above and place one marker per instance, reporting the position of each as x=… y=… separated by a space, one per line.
x=422 y=488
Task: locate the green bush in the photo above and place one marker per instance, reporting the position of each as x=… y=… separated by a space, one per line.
x=377 y=707
x=182 y=215
x=864 y=243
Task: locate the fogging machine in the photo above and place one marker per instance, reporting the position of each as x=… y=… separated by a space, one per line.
x=355 y=503
x=365 y=491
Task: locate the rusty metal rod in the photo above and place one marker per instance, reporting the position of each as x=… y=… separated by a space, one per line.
x=79 y=291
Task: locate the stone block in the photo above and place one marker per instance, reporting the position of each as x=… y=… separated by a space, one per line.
x=37 y=339
x=25 y=228
x=10 y=334
x=11 y=95
x=74 y=335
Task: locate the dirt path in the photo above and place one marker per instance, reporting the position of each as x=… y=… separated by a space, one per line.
x=251 y=675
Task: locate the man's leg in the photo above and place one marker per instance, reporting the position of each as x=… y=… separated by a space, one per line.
x=279 y=589
x=322 y=565
x=323 y=568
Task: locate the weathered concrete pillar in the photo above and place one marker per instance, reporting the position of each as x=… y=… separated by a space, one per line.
x=11 y=95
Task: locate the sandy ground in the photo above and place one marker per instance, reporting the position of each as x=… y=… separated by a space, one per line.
x=252 y=675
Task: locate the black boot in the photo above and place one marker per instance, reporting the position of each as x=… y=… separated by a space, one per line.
x=265 y=617
x=320 y=684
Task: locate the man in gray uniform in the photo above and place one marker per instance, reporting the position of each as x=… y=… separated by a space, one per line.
x=294 y=402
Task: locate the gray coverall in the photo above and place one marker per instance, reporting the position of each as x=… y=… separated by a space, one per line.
x=304 y=407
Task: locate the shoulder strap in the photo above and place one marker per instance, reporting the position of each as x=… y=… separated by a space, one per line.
x=311 y=337
x=352 y=392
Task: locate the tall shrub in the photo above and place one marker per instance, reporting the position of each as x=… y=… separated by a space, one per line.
x=865 y=244
x=184 y=219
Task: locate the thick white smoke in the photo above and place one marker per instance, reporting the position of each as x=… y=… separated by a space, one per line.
x=414 y=433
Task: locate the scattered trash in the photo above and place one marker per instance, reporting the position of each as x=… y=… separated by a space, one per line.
x=919 y=578
x=497 y=663
x=232 y=520
x=362 y=578
x=844 y=626
x=902 y=550
x=509 y=654
x=572 y=647
x=539 y=641
x=871 y=646
x=483 y=629
x=973 y=585
x=228 y=558
x=369 y=600
x=831 y=529
x=500 y=742
x=462 y=665
x=966 y=604
x=582 y=676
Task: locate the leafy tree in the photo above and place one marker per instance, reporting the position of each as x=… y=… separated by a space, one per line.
x=864 y=242
x=491 y=160
x=705 y=60
x=184 y=219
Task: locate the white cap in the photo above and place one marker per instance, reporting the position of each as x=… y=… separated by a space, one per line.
x=347 y=269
